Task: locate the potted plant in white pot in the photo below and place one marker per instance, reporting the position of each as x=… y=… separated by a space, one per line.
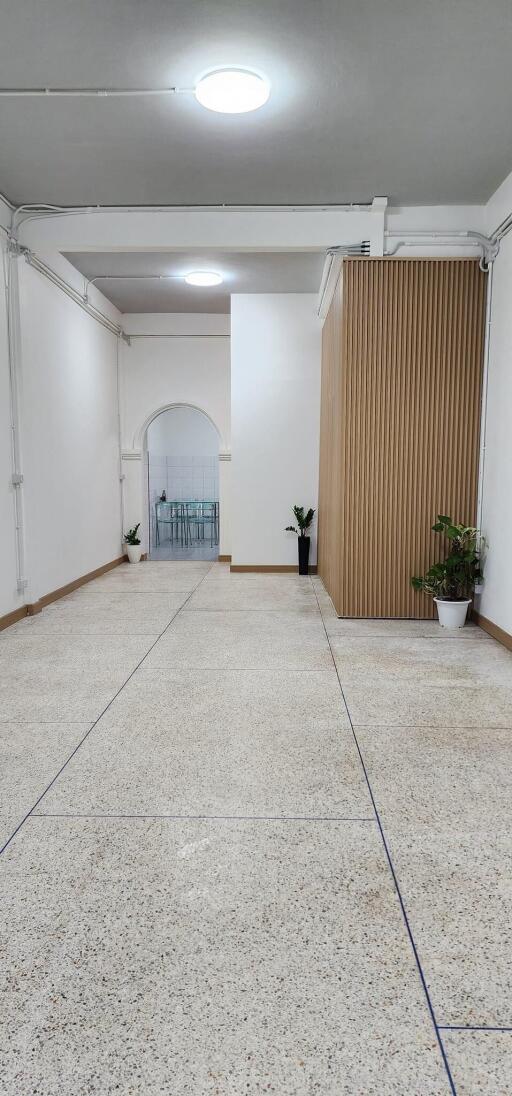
x=452 y=581
x=133 y=545
x=303 y=521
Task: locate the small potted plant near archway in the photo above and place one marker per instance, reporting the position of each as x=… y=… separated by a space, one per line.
x=452 y=581
x=133 y=545
x=304 y=521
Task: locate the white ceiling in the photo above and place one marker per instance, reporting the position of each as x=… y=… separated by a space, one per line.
x=242 y=272
x=407 y=98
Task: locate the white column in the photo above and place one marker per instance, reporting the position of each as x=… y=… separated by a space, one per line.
x=225 y=503
x=135 y=502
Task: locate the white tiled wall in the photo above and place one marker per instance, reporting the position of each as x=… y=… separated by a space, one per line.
x=182 y=478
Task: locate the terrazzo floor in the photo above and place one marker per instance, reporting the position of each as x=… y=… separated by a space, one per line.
x=172 y=550
x=251 y=848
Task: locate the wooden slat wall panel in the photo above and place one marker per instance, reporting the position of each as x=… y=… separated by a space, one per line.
x=401 y=382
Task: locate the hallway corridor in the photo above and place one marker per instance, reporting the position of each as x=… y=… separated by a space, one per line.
x=250 y=847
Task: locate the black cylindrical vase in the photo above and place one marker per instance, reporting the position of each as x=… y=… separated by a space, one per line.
x=303 y=554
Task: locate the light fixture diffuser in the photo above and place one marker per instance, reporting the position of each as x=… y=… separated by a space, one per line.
x=232 y=91
x=203 y=278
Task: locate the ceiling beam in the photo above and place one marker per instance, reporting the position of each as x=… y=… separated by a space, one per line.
x=171 y=230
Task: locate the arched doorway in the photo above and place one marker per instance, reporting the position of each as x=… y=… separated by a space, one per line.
x=181 y=463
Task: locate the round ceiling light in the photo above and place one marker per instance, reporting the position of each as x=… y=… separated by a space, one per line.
x=232 y=91
x=203 y=277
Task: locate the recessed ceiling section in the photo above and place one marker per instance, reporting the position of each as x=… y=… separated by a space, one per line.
x=410 y=100
x=155 y=281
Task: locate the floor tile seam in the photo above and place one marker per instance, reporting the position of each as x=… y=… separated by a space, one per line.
x=394 y=876
x=242 y=669
x=412 y=678
x=206 y=817
x=139 y=592
x=114 y=589
x=474 y=1027
x=90 y=730
x=120 y=587
x=268 y=612
x=48 y=722
x=409 y=678
x=291 y=612
x=434 y=726
x=246 y=669
x=413 y=635
x=412 y=670
x=394 y=636
x=360 y=726
x=38 y=634
x=386 y=635
x=242 y=621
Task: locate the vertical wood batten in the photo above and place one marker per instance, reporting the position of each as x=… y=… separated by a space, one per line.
x=401 y=388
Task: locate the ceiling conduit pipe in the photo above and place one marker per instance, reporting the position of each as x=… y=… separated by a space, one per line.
x=503 y=229
x=331 y=271
x=131 y=278
x=88 y=93
x=459 y=238
x=72 y=293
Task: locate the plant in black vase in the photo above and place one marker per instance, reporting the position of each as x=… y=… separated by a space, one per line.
x=304 y=521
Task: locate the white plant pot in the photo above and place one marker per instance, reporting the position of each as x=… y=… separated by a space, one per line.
x=134 y=552
x=452 y=614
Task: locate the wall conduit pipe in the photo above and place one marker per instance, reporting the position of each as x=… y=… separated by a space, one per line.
x=73 y=294
x=483 y=411
x=119 y=434
x=13 y=341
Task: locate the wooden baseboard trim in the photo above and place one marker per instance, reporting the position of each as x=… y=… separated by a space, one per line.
x=493 y=630
x=33 y=608
x=268 y=568
x=13 y=617
x=224 y=559
x=54 y=595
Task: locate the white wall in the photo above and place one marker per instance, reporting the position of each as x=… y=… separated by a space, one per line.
x=180 y=359
x=182 y=432
x=70 y=436
x=496 y=600
x=184 y=360
x=275 y=392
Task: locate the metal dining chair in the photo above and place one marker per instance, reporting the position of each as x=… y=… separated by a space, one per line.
x=199 y=516
x=172 y=514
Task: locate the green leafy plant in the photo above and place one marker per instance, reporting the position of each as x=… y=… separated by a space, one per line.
x=131 y=536
x=303 y=521
x=454 y=578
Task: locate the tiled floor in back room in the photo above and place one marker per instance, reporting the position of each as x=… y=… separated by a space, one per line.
x=251 y=848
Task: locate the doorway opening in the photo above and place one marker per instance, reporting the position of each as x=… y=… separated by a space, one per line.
x=183 y=485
